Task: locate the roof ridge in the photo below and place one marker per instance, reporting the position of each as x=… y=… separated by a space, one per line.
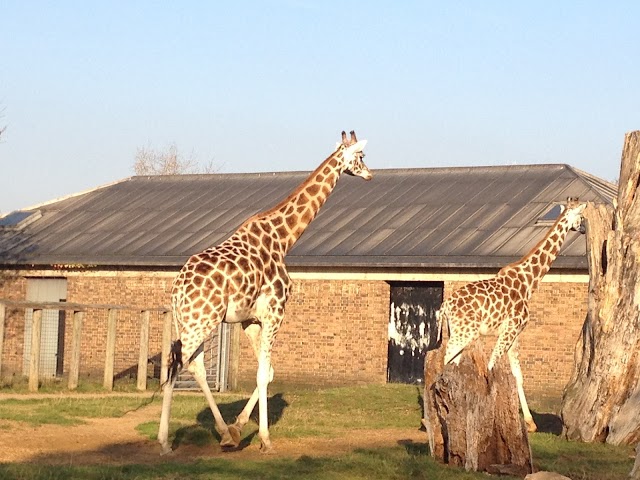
x=67 y=197
x=605 y=189
x=191 y=176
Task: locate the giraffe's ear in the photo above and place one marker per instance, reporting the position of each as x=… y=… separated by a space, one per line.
x=358 y=146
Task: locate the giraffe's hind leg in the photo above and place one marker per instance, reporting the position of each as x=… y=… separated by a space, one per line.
x=460 y=336
x=163 y=431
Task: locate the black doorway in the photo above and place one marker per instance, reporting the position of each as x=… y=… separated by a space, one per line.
x=412 y=328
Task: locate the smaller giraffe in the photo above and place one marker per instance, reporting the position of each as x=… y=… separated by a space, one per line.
x=501 y=304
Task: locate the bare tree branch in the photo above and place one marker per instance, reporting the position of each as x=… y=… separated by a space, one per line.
x=149 y=161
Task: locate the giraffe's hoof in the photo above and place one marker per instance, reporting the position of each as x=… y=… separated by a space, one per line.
x=531 y=427
x=227 y=441
x=235 y=432
x=266 y=448
x=166 y=450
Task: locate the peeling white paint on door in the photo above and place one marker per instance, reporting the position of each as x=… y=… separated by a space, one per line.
x=410 y=338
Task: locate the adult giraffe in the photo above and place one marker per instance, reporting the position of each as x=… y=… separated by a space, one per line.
x=501 y=304
x=244 y=279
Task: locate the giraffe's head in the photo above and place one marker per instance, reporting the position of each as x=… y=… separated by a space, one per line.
x=352 y=156
x=573 y=212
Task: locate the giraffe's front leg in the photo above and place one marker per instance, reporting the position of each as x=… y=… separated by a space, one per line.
x=270 y=325
x=514 y=361
x=508 y=342
x=269 y=314
x=241 y=420
x=263 y=378
x=254 y=332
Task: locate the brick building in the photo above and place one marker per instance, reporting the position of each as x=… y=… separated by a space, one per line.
x=368 y=273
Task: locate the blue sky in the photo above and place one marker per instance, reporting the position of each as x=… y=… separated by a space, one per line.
x=268 y=86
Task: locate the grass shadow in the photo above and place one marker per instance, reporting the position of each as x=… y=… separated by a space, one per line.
x=420 y=400
x=415 y=449
x=204 y=432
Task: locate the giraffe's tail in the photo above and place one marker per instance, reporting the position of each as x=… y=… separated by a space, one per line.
x=441 y=319
x=175 y=361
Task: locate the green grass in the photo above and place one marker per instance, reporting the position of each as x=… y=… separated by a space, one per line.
x=580 y=461
x=20 y=385
x=388 y=463
x=67 y=410
x=366 y=407
x=294 y=413
x=301 y=413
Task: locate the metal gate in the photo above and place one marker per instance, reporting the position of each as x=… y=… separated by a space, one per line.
x=53 y=322
x=216 y=361
x=412 y=328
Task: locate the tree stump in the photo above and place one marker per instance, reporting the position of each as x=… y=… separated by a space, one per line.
x=472 y=416
x=635 y=471
x=602 y=399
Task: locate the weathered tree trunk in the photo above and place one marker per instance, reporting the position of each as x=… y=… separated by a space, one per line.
x=635 y=471
x=472 y=416
x=602 y=399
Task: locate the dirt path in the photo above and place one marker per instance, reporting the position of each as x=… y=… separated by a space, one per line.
x=116 y=441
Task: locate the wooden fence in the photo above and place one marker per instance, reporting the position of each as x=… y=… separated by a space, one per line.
x=79 y=311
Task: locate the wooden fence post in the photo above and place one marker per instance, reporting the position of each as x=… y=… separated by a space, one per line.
x=3 y=311
x=143 y=359
x=74 y=368
x=34 y=359
x=166 y=345
x=110 y=353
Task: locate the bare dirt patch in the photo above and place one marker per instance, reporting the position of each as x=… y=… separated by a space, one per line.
x=115 y=441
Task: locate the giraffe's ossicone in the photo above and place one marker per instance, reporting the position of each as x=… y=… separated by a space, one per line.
x=245 y=280
x=501 y=304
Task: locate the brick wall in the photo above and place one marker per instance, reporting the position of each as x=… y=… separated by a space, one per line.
x=548 y=343
x=334 y=332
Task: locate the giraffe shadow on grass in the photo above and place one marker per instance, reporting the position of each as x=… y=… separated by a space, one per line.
x=204 y=432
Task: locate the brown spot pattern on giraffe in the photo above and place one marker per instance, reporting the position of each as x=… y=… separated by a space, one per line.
x=292 y=221
x=312 y=190
x=282 y=231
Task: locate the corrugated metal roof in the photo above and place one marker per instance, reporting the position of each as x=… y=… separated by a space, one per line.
x=438 y=217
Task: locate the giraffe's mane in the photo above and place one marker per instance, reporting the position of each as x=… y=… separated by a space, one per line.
x=561 y=217
x=293 y=194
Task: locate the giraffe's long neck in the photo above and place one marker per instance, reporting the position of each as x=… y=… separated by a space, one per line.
x=289 y=219
x=537 y=262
